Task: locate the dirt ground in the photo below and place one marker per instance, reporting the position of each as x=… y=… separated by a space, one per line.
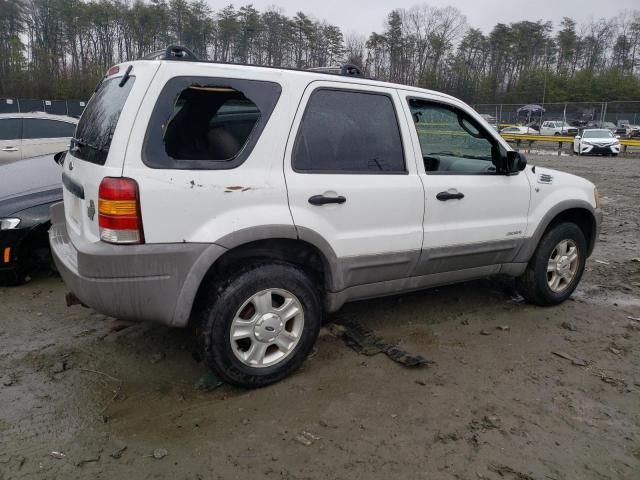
x=79 y=400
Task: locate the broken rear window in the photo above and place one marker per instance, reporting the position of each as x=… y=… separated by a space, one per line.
x=207 y=123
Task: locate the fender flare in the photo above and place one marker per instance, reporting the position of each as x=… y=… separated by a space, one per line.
x=529 y=246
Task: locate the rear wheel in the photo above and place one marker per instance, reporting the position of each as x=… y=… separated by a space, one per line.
x=259 y=326
x=556 y=267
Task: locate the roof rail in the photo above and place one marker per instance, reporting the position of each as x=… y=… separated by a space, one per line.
x=173 y=52
x=178 y=52
x=348 y=70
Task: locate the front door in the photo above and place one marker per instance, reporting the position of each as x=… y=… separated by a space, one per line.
x=352 y=181
x=10 y=139
x=475 y=216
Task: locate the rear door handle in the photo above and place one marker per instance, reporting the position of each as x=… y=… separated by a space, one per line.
x=322 y=200
x=10 y=149
x=444 y=196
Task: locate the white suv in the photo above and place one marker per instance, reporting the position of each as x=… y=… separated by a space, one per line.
x=557 y=128
x=248 y=201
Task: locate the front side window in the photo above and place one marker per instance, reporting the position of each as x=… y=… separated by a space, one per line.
x=207 y=123
x=10 y=128
x=349 y=132
x=41 y=128
x=451 y=141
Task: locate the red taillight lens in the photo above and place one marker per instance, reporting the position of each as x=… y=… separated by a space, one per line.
x=119 y=211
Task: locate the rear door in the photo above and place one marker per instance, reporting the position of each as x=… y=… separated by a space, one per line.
x=352 y=180
x=10 y=139
x=41 y=136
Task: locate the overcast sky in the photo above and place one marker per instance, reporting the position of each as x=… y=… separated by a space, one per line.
x=365 y=16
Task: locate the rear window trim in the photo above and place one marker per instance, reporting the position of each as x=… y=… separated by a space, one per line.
x=350 y=172
x=154 y=154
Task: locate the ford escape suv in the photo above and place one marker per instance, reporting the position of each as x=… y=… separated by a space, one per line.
x=248 y=201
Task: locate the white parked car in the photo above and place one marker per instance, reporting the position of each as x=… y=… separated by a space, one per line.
x=249 y=201
x=519 y=130
x=24 y=135
x=596 y=141
x=557 y=128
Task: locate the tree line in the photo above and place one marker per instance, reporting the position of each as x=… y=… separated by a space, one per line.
x=61 y=48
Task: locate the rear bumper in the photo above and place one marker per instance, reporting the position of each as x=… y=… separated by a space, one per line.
x=153 y=282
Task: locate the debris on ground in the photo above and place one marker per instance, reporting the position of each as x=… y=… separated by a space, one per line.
x=306 y=438
x=503 y=328
x=634 y=319
x=573 y=360
x=602 y=262
x=208 y=382
x=485 y=332
x=59 y=367
x=365 y=341
x=116 y=454
x=160 y=453
x=567 y=325
x=502 y=469
x=158 y=357
x=117 y=325
x=57 y=455
x=94 y=459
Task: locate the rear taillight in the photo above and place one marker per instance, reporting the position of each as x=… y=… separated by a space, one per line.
x=119 y=211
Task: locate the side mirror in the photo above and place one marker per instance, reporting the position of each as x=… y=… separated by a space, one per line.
x=59 y=158
x=617 y=136
x=577 y=137
x=516 y=162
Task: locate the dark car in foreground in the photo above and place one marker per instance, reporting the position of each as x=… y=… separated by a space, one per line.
x=27 y=190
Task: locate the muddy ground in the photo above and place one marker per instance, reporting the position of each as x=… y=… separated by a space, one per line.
x=498 y=405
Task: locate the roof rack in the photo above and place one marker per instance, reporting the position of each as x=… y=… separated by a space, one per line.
x=178 y=52
x=173 y=52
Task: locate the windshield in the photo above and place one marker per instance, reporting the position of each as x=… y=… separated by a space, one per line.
x=99 y=120
x=598 y=134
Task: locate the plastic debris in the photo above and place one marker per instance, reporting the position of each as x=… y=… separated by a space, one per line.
x=160 y=453
x=365 y=341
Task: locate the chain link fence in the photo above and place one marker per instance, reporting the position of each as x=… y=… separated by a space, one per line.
x=575 y=113
x=71 y=108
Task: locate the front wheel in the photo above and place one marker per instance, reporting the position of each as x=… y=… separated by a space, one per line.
x=259 y=326
x=555 y=269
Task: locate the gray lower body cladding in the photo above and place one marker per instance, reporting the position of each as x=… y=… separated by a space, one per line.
x=133 y=282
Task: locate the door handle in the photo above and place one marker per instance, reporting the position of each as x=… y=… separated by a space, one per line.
x=444 y=196
x=10 y=149
x=322 y=200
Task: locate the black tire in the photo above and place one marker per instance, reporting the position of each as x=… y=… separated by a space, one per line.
x=532 y=284
x=222 y=302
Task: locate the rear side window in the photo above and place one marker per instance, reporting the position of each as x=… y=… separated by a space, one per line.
x=349 y=132
x=10 y=129
x=207 y=123
x=99 y=120
x=41 y=128
x=210 y=124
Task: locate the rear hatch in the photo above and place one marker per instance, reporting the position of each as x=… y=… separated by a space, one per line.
x=100 y=142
